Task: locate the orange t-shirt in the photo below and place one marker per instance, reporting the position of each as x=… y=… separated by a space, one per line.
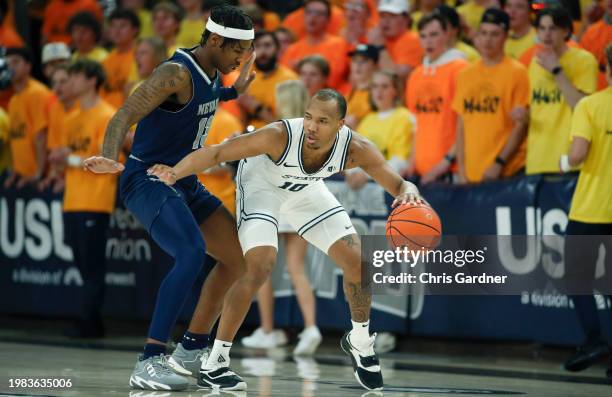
x=333 y=48
x=118 y=67
x=530 y=53
x=405 y=49
x=58 y=13
x=595 y=40
x=263 y=88
x=27 y=118
x=86 y=191
x=484 y=98
x=9 y=37
x=57 y=118
x=358 y=103
x=294 y=21
x=429 y=96
x=271 y=21
x=222 y=186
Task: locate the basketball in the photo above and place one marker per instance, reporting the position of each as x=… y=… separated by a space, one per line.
x=417 y=226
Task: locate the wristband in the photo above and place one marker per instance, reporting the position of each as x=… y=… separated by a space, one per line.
x=500 y=161
x=564 y=164
x=556 y=70
x=74 y=161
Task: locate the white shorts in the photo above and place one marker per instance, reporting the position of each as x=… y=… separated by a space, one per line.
x=314 y=213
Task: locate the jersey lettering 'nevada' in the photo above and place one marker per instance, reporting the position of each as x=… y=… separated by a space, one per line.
x=288 y=172
x=168 y=133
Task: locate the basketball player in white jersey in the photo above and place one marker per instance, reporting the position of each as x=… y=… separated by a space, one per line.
x=282 y=172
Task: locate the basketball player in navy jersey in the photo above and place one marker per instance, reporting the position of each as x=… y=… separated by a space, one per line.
x=282 y=173
x=174 y=109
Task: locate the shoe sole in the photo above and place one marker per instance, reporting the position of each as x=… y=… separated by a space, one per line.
x=137 y=383
x=179 y=369
x=347 y=350
x=240 y=386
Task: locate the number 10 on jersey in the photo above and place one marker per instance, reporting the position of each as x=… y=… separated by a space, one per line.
x=203 y=127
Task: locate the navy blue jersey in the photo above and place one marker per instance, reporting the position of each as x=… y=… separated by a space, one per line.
x=166 y=135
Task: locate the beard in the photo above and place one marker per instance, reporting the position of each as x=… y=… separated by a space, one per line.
x=266 y=66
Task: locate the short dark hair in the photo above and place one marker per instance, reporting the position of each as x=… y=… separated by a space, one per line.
x=429 y=18
x=450 y=14
x=317 y=60
x=90 y=69
x=208 y=5
x=22 y=52
x=264 y=33
x=128 y=15
x=231 y=17
x=328 y=94
x=560 y=17
x=86 y=19
x=326 y=2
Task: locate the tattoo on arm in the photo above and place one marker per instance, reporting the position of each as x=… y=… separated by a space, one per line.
x=167 y=79
x=360 y=300
x=350 y=242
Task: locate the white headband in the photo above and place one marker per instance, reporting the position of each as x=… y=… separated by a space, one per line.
x=230 y=33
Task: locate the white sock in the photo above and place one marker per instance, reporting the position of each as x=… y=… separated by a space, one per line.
x=360 y=334
x=219 y=355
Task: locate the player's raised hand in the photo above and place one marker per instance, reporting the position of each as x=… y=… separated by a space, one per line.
x=102 y=165
x=165 y=173
x=246 y=75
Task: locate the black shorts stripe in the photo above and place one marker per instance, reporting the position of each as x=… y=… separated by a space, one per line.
x=346 y=146
x=316 y=219
x=287 y=146
x=242 y=220
x=303 y=231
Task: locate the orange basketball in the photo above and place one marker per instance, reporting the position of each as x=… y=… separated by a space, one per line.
x=417 y=226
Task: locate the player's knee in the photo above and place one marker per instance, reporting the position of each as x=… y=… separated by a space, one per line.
x=258 y=272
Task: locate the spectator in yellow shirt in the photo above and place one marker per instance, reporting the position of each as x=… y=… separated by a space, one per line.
x=89 y=198
x=144 y=15
x=590 y=217
x=192 y=24
x=259 y=102
x=167 y=18
x=559 y=77
x=28 y=120
x=85 y=32
x=522 y=34
x=364 y=62
x=123 y=28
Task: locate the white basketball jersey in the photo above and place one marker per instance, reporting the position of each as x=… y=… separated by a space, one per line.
x=288 y=172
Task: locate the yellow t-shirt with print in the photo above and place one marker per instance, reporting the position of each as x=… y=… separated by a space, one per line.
x=516 y=47
x=550 y=114
x=390 y=131
x=592 y=120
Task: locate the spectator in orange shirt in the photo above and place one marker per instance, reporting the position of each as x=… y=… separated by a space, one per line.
x=402 y=51
x=89 y=198
x=364 y=62
x=491 y=97
x=595 y=39
x=285 y=39
x=259 y=102
x=357 y=14
x=8 y=36
x=123 y=29
x=60 y=109
x=166 y=24
x=59 y=12
x=429 y=94
x=85 y=31
x=314 y=72
x=28 y=120
x=54 y=54
x=318 y=41
x=296 y=21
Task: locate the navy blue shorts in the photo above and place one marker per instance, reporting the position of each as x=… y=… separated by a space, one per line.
x=144 y=195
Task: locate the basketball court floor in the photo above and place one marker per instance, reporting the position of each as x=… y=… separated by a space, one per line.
x=430 y=368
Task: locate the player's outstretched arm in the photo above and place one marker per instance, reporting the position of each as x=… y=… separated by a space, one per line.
x=167 y=79
x=269 y=140
x=363 y=153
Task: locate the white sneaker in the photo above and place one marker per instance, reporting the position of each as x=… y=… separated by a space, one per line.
x=263 y=340
x=310 y=339
x=385 y=342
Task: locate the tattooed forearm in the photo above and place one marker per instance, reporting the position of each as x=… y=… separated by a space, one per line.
x=360 y=300
x=166 y=80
